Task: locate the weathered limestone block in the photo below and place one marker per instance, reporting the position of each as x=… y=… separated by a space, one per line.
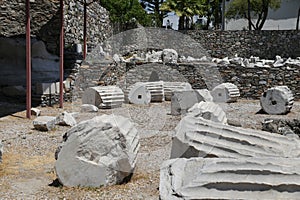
x=88 y=108
x=104 y=96
x=44 y=123
x=154 y=56
x=169 y=56
x=169 y=87
x=156 y=90
x=229 y=178
x=98 y=152
x=209 y=111
x=205 y=94
x=138 y=94
x=225 y=92
x=204 y=138
x=66 y=119
x=182 y=100
x=277 y=100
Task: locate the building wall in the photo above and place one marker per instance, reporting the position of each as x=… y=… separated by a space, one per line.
x=45 y=22
x=264 y=44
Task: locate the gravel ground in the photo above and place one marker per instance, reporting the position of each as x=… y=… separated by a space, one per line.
x=27 y=170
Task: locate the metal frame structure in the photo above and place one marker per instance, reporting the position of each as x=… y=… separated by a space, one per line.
x=28 y=58
x=85 y=3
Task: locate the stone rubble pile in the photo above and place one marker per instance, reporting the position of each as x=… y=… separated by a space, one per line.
x=98 y=152
x=253 y=62
x=230 y=178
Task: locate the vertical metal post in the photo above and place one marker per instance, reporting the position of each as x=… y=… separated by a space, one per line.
x=28 y=61
x=84 y=29
x=223 y=15
x=61 y=48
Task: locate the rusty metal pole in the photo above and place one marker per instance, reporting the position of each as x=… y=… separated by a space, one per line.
x=28 y=61
x=61 y=50
x=84 y=29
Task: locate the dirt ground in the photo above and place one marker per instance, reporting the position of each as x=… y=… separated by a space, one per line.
x=27 y=169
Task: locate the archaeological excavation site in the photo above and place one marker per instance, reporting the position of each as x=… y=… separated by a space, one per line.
x=146 y=113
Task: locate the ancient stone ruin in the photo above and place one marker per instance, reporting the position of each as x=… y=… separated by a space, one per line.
x=230 y=178
x=138 y=94
x=277 y=100
x=98 y=152
x=225 y=92
x=170 y=87
x=196 y=137
x=103 y=96
x=209 y=111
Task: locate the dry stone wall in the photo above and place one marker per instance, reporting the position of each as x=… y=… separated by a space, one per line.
x=265 y=44
x=45 y=22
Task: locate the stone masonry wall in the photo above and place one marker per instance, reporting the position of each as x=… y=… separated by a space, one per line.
x=252 y=82
x=265 y=44
x=45 y=22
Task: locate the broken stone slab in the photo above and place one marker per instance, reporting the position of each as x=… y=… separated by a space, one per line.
x=156 y=90
x=205 y=94
x=169 y=87
x=98 y=152
x=204 y=138
x=44 y=123
x=88 y=108
x=229 y=178
x=154 y=56
x=277 y=100
x=182 y=100
x=66 y=119
x=169 y=56
x=209 y=111
x=104 y=96
x=225 y=93
x=138 y=94
x=35 y=111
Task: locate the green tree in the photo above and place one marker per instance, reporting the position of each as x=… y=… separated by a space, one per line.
x=153 y=7
x=123 y=13
x=258 y=9
x=185 y=10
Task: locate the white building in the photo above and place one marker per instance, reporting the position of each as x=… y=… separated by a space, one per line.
x=284 y=18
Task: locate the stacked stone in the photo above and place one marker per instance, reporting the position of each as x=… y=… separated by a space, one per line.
x=104 y=96
x=230 y=178
x=169 y=87
x=277 y=100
